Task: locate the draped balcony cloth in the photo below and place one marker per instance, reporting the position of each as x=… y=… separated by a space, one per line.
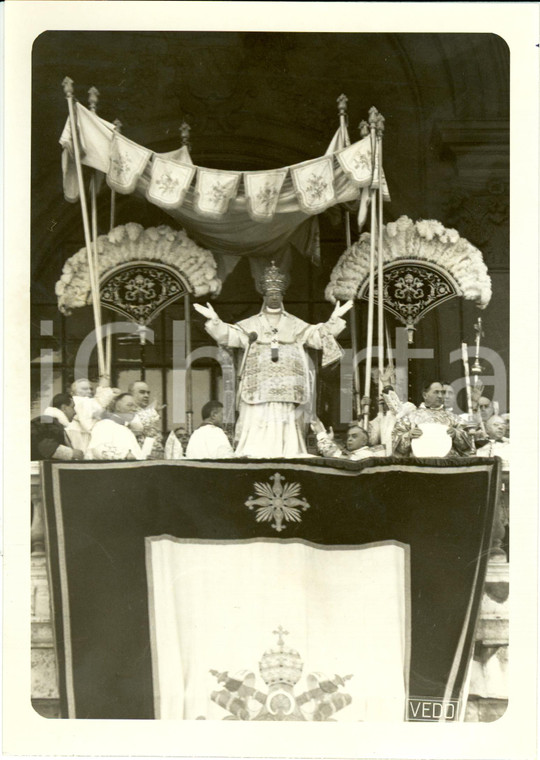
x=246 y=226
x=123 y=539
x=203 y=619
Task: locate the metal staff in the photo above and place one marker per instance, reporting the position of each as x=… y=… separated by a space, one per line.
x=67 y=84
x=477 y=367
x=373 y=115
x=465 y=359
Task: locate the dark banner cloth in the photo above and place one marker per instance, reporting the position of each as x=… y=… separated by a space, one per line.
x=98 y=516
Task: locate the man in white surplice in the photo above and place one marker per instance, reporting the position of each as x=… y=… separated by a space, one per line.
x=275 y=378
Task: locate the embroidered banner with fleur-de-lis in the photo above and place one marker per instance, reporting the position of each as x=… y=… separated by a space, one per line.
x=356 y=161
x=314 y=184
x=262 y=193
x=214 y=191
x=126 y=164
x=169 y=182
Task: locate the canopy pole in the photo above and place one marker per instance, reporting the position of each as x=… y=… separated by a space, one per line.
x=184 y=131
x=380 y=280
x=93 y=97
x=112 y=222
x=118 y=128
x=67 y=84
x=353 y=316
x=189 y=375
x=369 y=339
x=390 y=352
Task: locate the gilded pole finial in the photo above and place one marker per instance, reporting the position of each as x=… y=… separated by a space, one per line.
x=364 y=128
x=342 y=104
x=93 y=97
x=380 y=125
x=185 y=130
x=67 y=84
x=373 y=117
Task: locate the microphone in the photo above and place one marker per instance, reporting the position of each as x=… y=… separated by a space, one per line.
x=252 y=337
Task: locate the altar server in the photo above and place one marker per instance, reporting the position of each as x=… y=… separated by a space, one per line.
x=209 y=440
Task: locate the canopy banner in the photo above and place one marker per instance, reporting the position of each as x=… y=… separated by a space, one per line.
x=171 y=581
x=266 y=219
x=126 y=164
x=169 y=182
x=99 y=140
x=314 y=184
x=214 y=190
x=356 y=161
x=262 y=192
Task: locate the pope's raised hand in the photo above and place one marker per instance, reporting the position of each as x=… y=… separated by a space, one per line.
x=207 y=311
x=341 y=309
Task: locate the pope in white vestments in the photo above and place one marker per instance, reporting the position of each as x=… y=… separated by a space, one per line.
x=275 y=378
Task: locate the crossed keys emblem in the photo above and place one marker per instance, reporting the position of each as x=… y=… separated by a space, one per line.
x=278 y=502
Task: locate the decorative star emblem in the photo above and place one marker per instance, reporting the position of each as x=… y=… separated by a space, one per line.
x=277 y=502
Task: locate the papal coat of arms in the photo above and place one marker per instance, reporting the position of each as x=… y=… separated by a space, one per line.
x=281 y=669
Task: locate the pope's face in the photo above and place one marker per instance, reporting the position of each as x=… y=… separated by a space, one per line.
x=274 y=299
x=434 y=396
x=356 y=438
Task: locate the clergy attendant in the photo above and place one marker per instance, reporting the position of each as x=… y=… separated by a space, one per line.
x=147 y=421
x=111 y=437
x=431 y=410
x=209 y=440
x=89 y=408
x=498 y=444
x=49 y=438
x=356 y=443
x=275 y=379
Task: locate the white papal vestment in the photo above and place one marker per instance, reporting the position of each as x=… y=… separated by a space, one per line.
x=272 y=393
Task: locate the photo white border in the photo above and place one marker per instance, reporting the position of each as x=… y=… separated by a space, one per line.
x=514 y=735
